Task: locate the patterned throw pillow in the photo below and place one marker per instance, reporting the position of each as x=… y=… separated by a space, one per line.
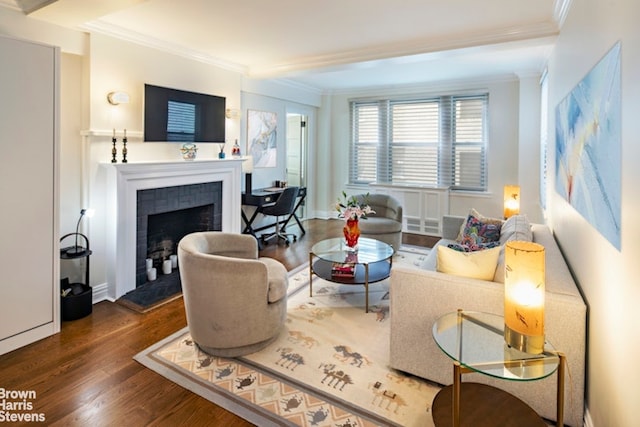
x=479 y=230
x=472 y=247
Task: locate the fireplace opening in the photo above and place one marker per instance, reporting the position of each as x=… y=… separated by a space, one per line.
x=165 y=230
x=164 y=216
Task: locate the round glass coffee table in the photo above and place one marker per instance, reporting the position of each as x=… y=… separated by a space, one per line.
x=336 y=263
x=475 y=343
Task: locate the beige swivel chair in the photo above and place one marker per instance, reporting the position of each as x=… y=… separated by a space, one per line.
x=236 y=303
x=283 y=206
x=386 y=224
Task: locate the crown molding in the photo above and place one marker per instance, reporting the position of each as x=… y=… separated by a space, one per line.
x=299 y=86
x=30 y=6
x=449 y=86
x=401 y=49
x=10 y=4
x=129 y=35
x=504 y=35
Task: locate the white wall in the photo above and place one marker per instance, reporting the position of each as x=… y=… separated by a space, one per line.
x=71 y=177
x=608 y=277
x=529 y=148
x=507 y=96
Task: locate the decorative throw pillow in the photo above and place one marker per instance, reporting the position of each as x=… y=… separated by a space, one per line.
x=478 y=229
x=477 y=265
x=516 y=227
x=472 y=247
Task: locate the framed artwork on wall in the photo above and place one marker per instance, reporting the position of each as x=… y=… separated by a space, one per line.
x=588 y=147
x=262 y=138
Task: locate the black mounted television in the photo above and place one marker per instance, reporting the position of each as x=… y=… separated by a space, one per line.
x=172 y=115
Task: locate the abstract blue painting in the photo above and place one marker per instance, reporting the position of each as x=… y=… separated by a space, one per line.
x=588 y=147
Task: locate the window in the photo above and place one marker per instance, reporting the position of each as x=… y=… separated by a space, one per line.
x=440 y=141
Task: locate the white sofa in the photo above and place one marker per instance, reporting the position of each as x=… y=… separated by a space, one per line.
x=420 y=296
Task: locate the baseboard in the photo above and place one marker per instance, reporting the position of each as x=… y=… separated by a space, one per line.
x=27 y=337
x=101 y=293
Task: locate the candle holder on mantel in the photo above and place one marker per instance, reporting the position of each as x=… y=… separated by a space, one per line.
x=114 y=150
x=124 y=147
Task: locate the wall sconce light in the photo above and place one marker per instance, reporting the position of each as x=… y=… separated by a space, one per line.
x=524 y=292
x=232 y=113
x=117 y=98
x=511 y=200
x=247 y=168
x=79 y=250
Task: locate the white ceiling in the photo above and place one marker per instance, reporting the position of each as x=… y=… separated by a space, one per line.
x=331 y=45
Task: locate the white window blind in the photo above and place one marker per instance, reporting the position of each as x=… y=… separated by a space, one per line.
x=434 y=142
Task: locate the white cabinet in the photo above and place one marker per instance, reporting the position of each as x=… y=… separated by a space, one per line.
x=422 y=207
x=29 y=286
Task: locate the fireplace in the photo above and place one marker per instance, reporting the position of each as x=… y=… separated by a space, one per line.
x=165 y=215
x=123 y=184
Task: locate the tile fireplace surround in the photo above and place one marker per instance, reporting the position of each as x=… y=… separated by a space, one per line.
x=122 y=182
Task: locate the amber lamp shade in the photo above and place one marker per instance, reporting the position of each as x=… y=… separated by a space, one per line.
x=524 y=290
x=511 y=200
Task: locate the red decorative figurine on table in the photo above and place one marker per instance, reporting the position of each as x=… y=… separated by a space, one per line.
x=351 y=232
x=352 y=210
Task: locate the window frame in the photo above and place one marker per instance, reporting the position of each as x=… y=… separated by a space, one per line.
x=446 y=172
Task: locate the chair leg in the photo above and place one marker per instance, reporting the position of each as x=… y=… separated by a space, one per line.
x=278 y=235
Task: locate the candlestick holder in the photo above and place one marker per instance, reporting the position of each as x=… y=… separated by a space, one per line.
x=114 y=150
x=124 y=147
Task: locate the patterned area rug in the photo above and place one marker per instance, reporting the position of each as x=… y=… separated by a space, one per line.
x=329 y=367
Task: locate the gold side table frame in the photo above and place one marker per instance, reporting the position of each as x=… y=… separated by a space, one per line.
x=459 y=368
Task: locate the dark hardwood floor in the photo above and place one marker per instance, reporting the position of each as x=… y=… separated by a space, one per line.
x=86 y=375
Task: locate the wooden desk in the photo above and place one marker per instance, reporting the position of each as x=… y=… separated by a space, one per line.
x=260 y=198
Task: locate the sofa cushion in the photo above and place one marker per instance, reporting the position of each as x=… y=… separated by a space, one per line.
x=379 y=225
x=478 y=229
x=477 y=264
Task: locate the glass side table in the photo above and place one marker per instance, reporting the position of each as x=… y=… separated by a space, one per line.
x=475 y=342
x=372 y=262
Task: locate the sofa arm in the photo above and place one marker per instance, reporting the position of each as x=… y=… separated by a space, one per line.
x=451 y=226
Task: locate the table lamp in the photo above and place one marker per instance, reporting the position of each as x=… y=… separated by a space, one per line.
x=79 y=250
x=511 y=200
x=247 y=168
x=524 y=292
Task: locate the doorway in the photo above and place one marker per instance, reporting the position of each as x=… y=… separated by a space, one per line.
x=296 y=165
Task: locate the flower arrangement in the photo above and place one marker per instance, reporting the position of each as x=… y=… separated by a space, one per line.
x=349 y=208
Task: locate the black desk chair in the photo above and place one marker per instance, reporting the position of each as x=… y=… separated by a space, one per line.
x=283 y=206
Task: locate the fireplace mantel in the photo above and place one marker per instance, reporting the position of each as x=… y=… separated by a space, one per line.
x=123 y=180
